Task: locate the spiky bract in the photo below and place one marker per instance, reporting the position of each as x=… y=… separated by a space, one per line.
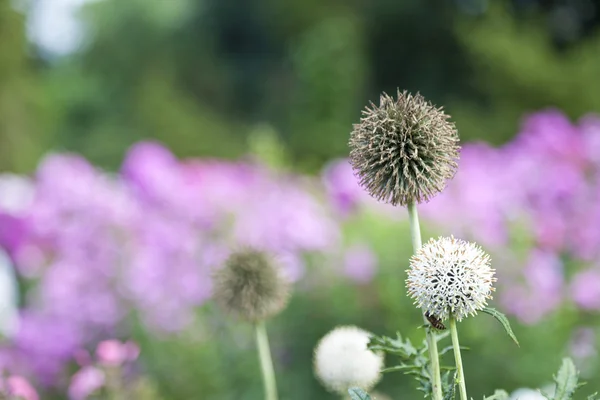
x=251 y=286
x=404 y=150
x=449 y=276
x=342 y=360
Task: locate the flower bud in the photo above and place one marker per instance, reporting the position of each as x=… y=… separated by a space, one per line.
x=404 y=150
x=251 y=286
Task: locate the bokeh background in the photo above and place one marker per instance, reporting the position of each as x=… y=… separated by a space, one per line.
x=141 y=140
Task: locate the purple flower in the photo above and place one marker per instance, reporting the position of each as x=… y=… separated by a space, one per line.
x=292 y=265
x=360 y=263
x=589 y=126
x=342 y=186
x=16 y=196
x=153 y=172
x=223 y=187
x=85 y=382
x=42 y=345
x=552 y=134
x=159 y=179
x=541 y=292
x=583 y=344
x=284 y=216
x=585 y=289
x=476 y=202
x=345 y=194
x=17 y=386
x=113 y=353
x=539 y=192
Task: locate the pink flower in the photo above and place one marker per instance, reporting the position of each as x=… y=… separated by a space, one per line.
x=85 y=382
x=541 y=294
x=360 y=263
x=19 y=387
x=342 y=186
x=112 y=353
x=583 y=343
x=585 y=289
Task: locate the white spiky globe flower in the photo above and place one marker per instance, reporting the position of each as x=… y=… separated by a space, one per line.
x=450 y=277
x=342 y=360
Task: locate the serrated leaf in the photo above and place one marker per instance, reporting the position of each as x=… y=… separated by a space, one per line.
x=498 y=395
x=358 y=394
x=399 y=368
x=402 y=348
x=413 y=361
x=450 y=389
x=566 y=380
x=450 y=348
x=503 y=321
x=450 y=394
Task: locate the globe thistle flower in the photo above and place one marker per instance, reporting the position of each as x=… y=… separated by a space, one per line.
x=342 y=360
x=251 y=286
x=450 y=277
x=529 y=394
x=404 y=150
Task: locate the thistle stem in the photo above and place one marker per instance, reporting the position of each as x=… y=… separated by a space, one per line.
x=266 y=363
x=415 y=233
x=458 y=359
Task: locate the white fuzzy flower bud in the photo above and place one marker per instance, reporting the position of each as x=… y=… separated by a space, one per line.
x=527 y=394
x=342 y=360
x=449 y=276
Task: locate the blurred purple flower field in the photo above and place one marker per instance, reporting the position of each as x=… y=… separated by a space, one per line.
x=93 y=249
x=96 y=247
x=534 y=202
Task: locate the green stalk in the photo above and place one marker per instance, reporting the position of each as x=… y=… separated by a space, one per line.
x=415 y=233
x=266 y=363
x=458 y=359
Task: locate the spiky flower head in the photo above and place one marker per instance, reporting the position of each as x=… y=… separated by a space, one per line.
x=404 y=150
x=342 y=360
x=449 y=276
x=251 y=286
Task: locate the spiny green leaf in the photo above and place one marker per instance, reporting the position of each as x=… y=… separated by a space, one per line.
x=450 y=348
x=503 y=320
x=399 y=368
x=566 y=380
x=440 y=336
x=449 y=388
x=498 y=395
x=413 y=361
x=358 y=394
x=402 y=348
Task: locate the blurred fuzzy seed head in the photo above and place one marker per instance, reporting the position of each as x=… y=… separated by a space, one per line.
x=342 y=360
x=251 y=286
x=449 y=276
x=404 y=150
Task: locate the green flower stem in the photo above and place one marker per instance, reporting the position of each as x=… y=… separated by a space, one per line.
x=458 y=359
x=266 y=363
x=415 y=233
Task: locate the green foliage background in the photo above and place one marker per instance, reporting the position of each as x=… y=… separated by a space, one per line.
x=202 y=75
x=219 y=359
x=223 y=78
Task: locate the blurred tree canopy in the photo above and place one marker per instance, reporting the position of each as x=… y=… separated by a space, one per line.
x=22 y=111
x=205 y=76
